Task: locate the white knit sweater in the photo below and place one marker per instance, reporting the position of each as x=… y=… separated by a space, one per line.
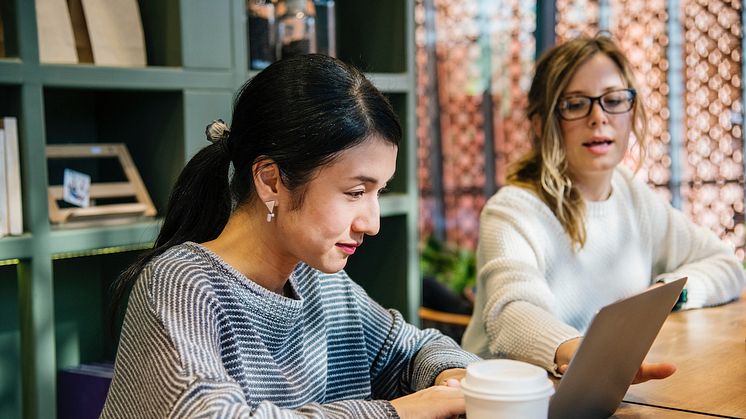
x=534 y=292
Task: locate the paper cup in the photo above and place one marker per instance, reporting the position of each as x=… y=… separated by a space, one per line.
x=503 y=388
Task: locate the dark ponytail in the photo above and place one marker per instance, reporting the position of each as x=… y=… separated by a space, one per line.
x=205 y=180
x=300 y=113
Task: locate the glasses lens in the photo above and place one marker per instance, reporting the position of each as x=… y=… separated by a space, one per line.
x=619 y=101
x=574 y=107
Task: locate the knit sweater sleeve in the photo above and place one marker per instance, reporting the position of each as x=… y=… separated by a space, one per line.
x=403 y=358
x=683 y=248
x=169 y=363
x=516 y=237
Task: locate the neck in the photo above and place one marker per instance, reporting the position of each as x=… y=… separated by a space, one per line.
x=246 y=243
x=593 y=186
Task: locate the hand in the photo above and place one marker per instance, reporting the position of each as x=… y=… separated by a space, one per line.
x=647 y=371
x=437 y=402
x=445 y=376
x=565 y=352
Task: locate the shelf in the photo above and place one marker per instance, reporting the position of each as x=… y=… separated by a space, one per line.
x=67 y=242
x=395 y=204
x=386 y=82
x=11 y=71
x=148 y=78
x=197 y=59
x=15 y=247
x=392 y=82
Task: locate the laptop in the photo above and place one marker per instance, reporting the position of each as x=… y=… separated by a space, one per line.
x=611 y=352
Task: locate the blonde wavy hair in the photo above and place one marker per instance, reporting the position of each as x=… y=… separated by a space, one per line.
x=544 y=169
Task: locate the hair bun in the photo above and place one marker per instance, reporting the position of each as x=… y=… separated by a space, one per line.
x=216 y=131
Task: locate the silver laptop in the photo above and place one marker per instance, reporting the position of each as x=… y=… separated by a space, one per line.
x=611 y=352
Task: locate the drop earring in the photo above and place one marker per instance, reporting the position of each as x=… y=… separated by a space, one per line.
x=270 y=207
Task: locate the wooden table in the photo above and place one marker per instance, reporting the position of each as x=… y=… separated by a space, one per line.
x=709 y=348
x=638 y=411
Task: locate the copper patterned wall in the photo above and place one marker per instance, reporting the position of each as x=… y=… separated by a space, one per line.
x=713 y=177
x=576 y=17
x=473 y=76
x=513 y=51
x=639 y=26
x=471 y=108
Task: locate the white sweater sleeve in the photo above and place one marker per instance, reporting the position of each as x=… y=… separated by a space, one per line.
x=682 y=248
x=518 y=317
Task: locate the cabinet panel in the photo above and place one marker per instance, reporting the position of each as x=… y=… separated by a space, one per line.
x=150 y=123
x=161 y=25
x=373 y=35
x=81 y=307
x=9 y=16
x=380 y=264
x=207 y=42
x=10 y=344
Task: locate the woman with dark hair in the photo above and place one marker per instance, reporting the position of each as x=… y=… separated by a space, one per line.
x=242 y=308
x=573 y=231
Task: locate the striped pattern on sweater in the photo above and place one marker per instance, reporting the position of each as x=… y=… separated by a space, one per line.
x=201 y=340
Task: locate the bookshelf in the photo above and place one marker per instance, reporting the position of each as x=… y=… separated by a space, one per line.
x=54 y=280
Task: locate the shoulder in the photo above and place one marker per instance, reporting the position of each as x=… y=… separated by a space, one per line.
x=331 y=286
x=517 y=206
x=182 y=273
x=635 y=190
x=512 y=198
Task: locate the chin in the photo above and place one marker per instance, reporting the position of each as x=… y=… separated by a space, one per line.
x=329 y=267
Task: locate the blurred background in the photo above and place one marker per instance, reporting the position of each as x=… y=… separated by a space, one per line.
x=474 y=63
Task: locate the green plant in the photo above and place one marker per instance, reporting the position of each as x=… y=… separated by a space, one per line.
x=451 y=266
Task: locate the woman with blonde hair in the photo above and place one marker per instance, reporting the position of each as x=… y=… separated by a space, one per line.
x=573 y=230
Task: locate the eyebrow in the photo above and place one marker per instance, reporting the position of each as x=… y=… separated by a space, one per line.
x=583 y=93
x=368 y=179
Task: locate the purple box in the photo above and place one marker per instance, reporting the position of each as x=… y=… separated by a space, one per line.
x=82 y=390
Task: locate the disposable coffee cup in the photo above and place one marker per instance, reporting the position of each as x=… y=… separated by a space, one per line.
x=506 y=389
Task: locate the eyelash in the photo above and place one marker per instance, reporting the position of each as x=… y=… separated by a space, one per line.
x=358 y=194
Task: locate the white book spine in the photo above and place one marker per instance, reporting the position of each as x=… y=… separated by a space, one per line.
x=13 y=176
x=4 y=224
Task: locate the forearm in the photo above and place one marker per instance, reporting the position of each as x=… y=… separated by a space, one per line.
x=524 y=331
x=213 y=399
x=439 y=355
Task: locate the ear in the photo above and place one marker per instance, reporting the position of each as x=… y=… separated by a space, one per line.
x=536 y=125
x=267 y=179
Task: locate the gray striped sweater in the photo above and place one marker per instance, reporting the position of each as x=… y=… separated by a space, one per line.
x=201 y=340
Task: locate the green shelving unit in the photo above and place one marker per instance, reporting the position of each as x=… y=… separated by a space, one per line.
x=54 y=280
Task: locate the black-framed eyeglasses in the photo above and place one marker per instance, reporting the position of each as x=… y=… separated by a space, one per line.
x=575 y=107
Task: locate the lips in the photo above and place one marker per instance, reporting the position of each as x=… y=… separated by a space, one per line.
x=348 y=248
x=598 y=146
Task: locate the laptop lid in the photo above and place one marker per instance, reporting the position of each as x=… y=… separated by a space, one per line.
x=615 y=344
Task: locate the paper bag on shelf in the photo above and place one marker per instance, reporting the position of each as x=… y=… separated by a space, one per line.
x=56 y=40
x=116 y=33
x=80 y=31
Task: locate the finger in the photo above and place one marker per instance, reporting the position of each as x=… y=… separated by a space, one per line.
x=562 y=369
x=452 y=382
x=654 y=372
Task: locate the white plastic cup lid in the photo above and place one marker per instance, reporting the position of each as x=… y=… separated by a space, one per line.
x=498 y=378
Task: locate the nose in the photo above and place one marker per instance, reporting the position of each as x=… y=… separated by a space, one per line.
x=369 y=220
x=598 y=115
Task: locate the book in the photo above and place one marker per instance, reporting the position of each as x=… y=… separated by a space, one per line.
x=56 y=40
x=3 y=189
x=13 y=176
